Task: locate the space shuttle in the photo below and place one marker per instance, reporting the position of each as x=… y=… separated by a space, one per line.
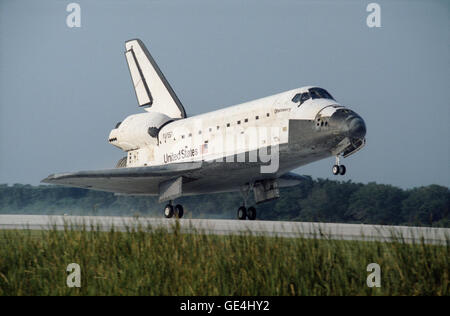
x=250 y=147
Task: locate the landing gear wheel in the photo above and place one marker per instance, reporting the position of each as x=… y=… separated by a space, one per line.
x=251 y=213
x=242 y=213
x=342 y=170
x=179 y=211
x=168 y=211
x=336 y=169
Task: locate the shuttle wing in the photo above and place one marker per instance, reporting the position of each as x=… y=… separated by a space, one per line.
x=138 y=180
x=151 y=87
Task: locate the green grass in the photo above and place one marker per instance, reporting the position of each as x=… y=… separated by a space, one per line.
x=158 y=262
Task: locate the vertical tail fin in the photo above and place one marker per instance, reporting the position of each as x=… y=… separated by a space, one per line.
x=151 y=87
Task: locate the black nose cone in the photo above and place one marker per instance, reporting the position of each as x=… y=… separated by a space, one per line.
x=347 y=122
x=356 y=127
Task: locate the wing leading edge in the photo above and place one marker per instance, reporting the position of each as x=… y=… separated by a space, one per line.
x=138 y=180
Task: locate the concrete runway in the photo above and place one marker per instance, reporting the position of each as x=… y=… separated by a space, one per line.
x=226 y=227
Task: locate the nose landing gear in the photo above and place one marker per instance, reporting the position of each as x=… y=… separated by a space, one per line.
x=338 y=169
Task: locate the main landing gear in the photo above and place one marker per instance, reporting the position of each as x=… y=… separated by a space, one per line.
x=170 y=211
x=338 y=168
x=243 y=212
x=246 y=213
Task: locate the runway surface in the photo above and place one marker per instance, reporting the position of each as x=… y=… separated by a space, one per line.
x=226 y=227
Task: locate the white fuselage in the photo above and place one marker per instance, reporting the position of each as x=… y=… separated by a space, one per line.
x=226 y=132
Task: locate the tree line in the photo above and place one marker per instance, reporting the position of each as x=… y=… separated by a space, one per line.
x=314 y=200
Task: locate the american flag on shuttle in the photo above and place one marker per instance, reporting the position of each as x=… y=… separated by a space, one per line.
x=204 y=148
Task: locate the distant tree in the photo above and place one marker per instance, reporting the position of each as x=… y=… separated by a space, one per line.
x=376 y=203
x=426 y=205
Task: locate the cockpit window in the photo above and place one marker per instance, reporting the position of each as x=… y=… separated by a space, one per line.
x=319 y=93
x=314 y=93
x=300 y=97
x=305 y=96
x=296 y=98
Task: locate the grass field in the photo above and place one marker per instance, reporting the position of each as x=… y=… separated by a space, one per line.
x=160 y=262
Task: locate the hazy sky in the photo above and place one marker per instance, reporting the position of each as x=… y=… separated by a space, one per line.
x=63 y=89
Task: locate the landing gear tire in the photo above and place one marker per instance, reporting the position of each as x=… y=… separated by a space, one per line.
x=342 y=170
x=242 y=213
x=336 y=170
x=168 y=211
x=251 y=213
x=179 y=211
